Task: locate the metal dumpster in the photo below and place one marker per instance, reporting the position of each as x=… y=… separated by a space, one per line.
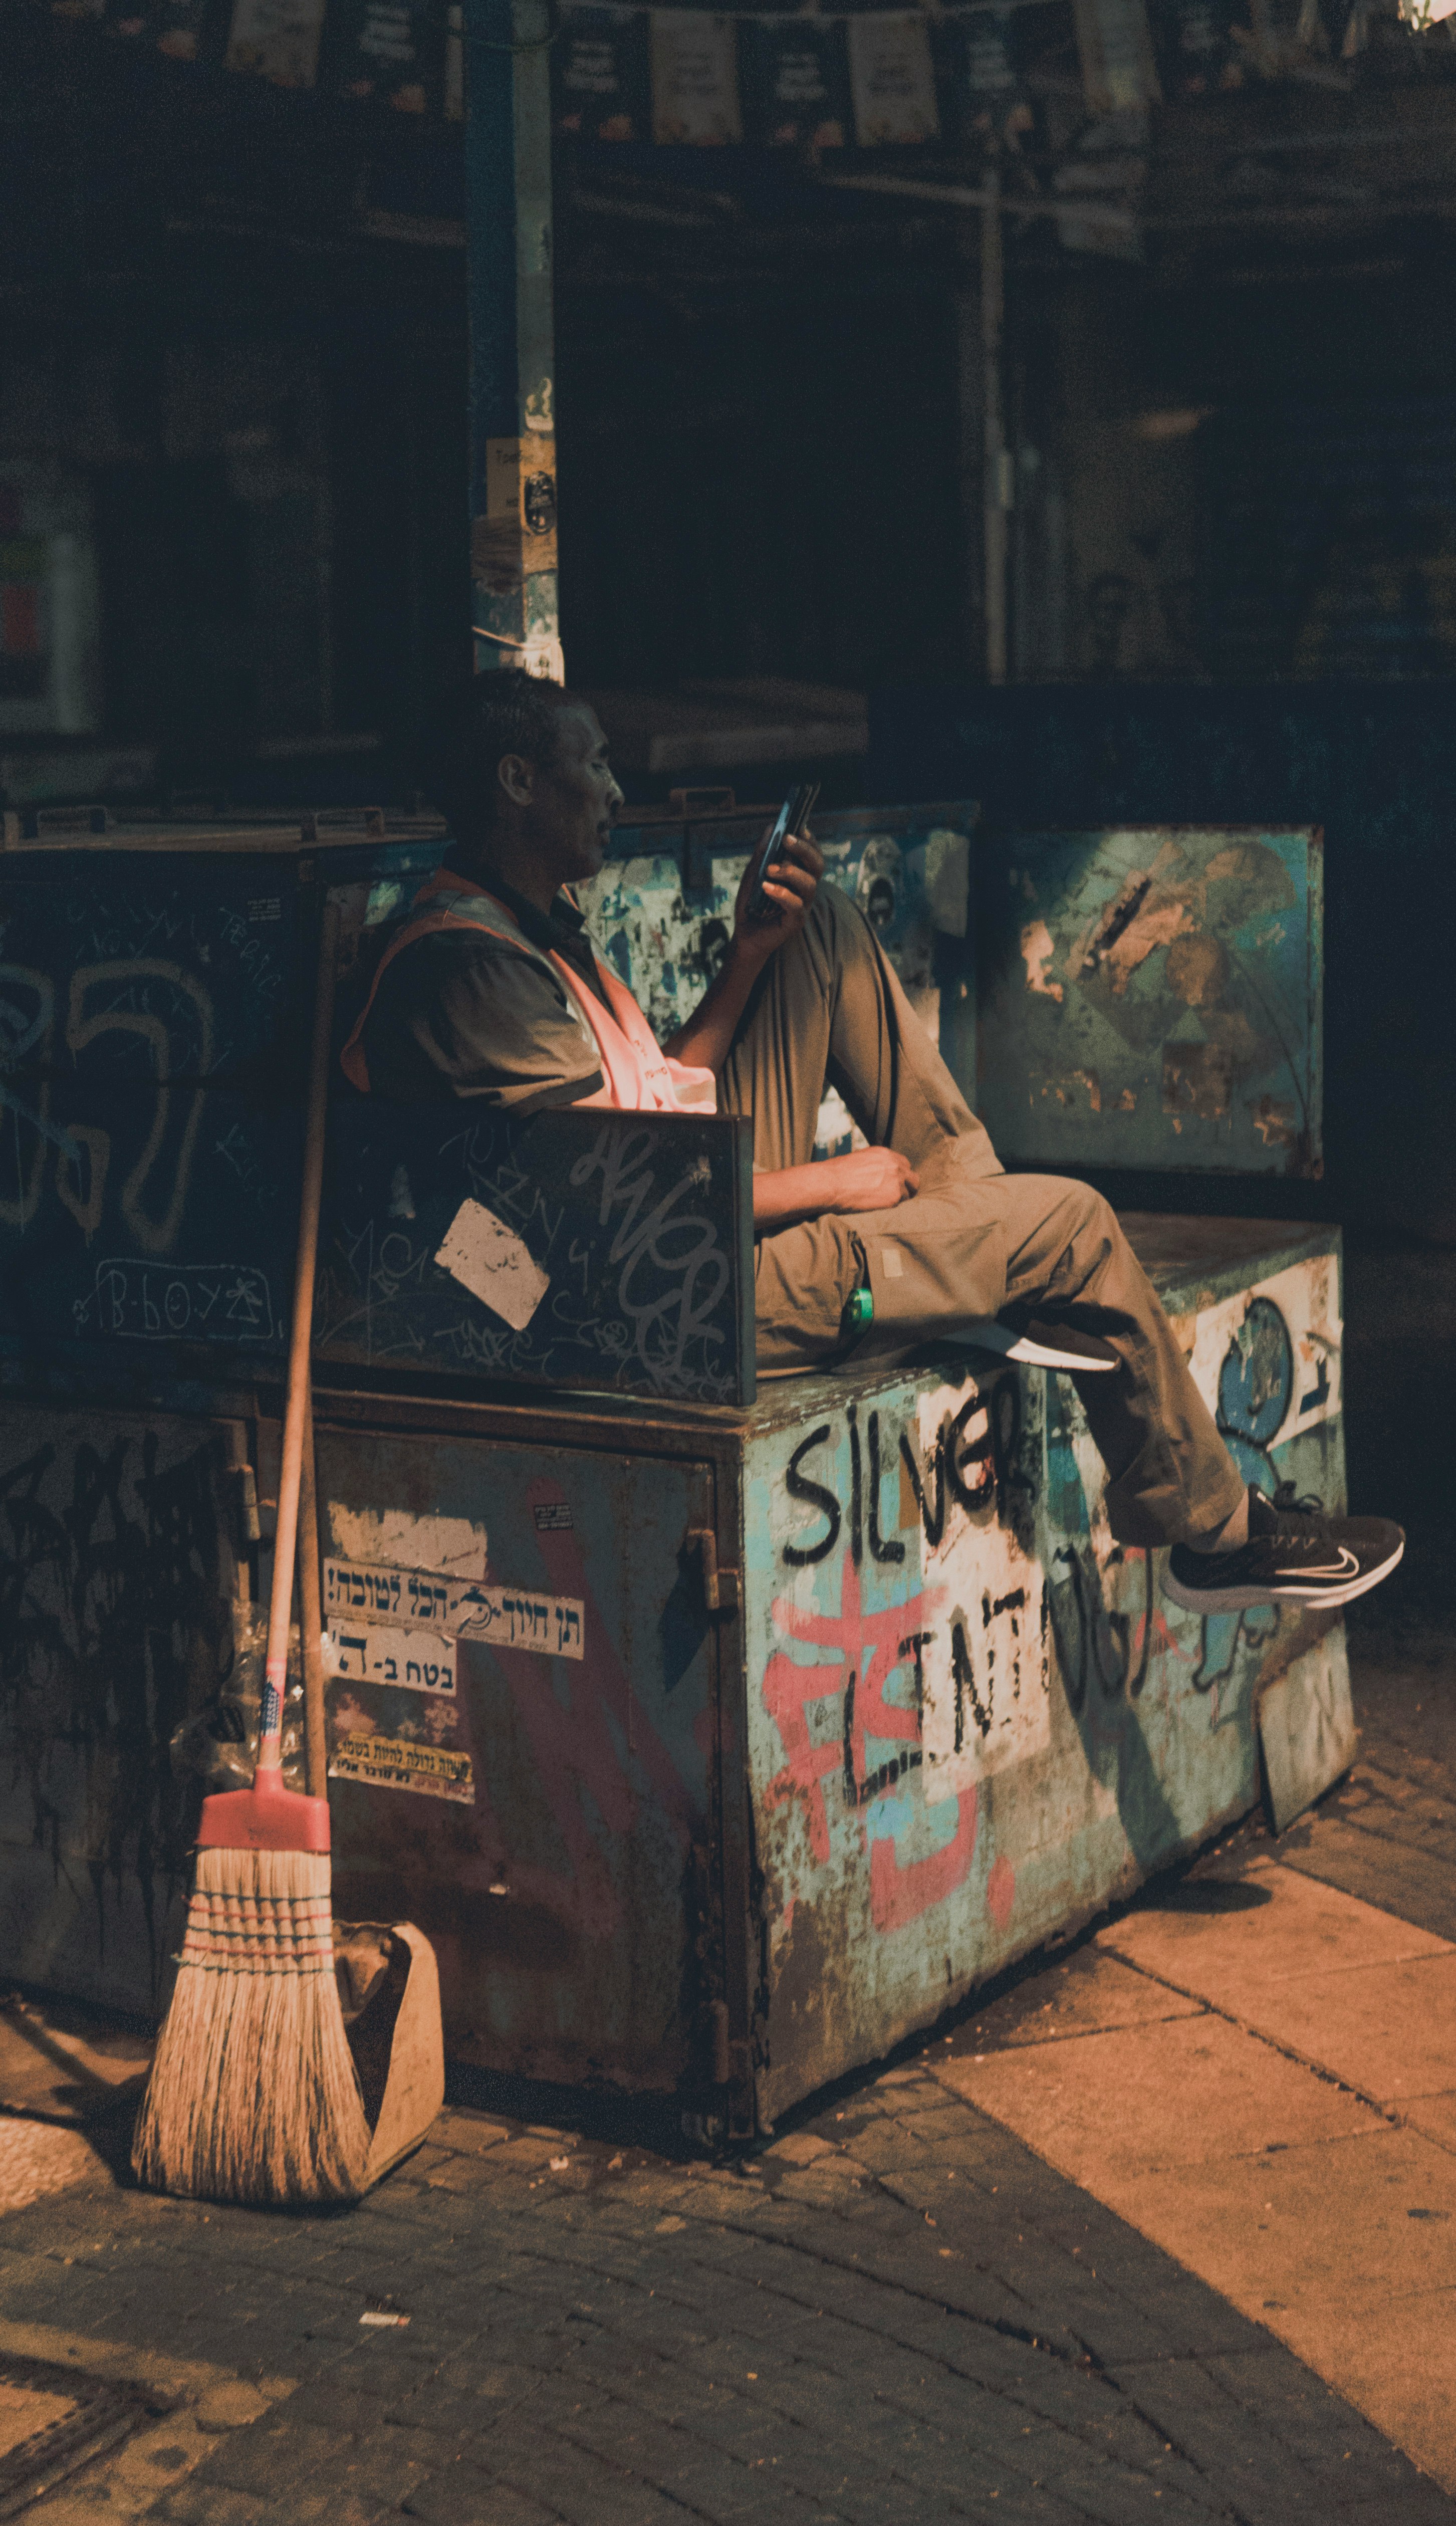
x=716 y=1740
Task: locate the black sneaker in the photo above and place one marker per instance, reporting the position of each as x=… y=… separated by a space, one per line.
x=1296 y=1554
x=1040 y=1346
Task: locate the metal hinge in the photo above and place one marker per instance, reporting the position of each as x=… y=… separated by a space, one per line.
x=732 y=2054
x=721 y=1588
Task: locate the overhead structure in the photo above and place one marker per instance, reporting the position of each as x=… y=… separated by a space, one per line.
x=512 y=346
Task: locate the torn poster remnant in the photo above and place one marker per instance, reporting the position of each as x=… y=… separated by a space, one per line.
x=456 y=1545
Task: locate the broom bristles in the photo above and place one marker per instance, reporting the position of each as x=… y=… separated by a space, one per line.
x=253 y=2094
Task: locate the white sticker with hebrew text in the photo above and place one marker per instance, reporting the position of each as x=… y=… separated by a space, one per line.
x=359 y=1594
x=381 y=1654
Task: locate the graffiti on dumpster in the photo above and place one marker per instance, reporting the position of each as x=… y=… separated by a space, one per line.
x=114 y=1628
x=933 y=1617
x=632 y=1227
x=873 y=1680
x=133 y=1126
x=950 y=1596
x=655 y=1233
x=1269 y=1360
x=136 y=1302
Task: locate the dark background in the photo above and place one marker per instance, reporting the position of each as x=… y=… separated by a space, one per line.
x=231 y=326
x=232 y=353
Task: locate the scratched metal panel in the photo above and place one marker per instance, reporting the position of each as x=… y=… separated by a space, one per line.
x=566 y=1882
x=1151 y=996
x=117 y=1581
x=662 y=915
x=150 y=1216
x=973 y=1718
x=144 y=965
x=615 y=1249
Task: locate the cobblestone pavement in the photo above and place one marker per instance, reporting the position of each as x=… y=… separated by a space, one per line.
x=895 y=2311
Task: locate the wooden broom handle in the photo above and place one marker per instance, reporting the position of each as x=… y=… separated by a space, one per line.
x=270 y=1771
x=310 y=1617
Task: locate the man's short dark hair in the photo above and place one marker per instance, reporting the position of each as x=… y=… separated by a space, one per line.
x=500 y=712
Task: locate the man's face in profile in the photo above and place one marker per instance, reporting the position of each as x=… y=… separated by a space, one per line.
x=572 y=798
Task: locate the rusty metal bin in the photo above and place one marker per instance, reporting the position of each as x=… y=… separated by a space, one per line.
x=773 y=1731
x=715 y=1742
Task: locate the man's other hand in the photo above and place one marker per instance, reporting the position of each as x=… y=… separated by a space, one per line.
x=864 y=1180
x=867 y=1179
x=788 y=890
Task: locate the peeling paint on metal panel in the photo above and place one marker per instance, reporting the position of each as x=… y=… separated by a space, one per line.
x=1198 y=1079
x=668 y=945
x=1039 y=947
x=1189 y=964
x=948 y=880
x=1275 y=1122
x=457 y=1546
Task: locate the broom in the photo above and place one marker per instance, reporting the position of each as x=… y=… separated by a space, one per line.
x=253 y=2094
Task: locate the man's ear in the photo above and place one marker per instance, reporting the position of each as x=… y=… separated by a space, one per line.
x=517 y=774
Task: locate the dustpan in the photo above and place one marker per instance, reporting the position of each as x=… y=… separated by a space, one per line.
x=389 y=1986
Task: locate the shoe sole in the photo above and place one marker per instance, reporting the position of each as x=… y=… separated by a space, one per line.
x=1236 y=1600
x=1005 y=1345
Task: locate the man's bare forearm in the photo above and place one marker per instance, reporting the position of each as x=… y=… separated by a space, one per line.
x=705 y=1039
x=790 y=1194
x=862 y=1180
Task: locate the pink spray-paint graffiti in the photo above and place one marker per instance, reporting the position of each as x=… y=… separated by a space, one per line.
x=867 y=1650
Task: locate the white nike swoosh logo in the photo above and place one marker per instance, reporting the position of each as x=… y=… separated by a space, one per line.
x=1344 y=1568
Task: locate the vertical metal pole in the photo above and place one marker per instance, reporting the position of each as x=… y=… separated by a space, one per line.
x=993 y=444
x=970 y=450
x=512 y=351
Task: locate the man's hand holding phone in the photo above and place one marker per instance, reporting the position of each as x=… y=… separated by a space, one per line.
x=780 y=883
x=778 y=886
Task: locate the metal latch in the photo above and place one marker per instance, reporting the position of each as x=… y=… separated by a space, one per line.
x=244 y=1486
x=721 y=1588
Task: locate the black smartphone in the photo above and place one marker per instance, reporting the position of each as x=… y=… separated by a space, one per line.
x=790 y=819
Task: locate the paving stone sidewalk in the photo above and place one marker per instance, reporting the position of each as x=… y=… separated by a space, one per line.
x=897 y=2312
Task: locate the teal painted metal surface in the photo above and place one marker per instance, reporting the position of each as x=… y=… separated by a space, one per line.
x=1151 y=996
x=973 y=1718
x=661 y=912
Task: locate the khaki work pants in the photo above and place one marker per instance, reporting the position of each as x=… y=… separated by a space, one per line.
x=830 y=1009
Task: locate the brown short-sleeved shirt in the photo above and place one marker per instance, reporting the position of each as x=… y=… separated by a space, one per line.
x=462 y=1014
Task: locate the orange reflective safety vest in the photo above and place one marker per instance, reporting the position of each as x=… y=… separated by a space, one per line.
x=638 y=1076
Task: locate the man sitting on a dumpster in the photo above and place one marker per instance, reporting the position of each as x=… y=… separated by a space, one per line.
x=490 y=992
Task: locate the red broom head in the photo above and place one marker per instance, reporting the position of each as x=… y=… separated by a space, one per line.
x=266 y=1817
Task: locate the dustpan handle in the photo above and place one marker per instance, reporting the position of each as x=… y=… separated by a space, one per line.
x=270 y=1772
